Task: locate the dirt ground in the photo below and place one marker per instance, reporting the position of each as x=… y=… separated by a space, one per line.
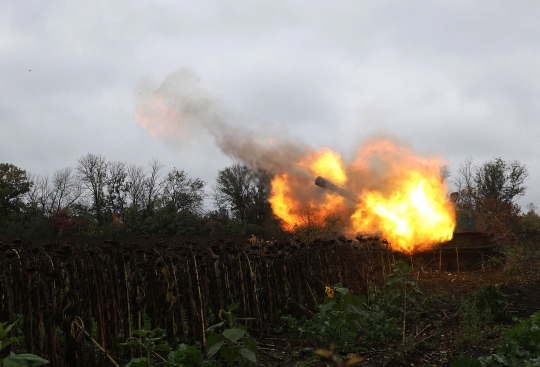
x=437 y=344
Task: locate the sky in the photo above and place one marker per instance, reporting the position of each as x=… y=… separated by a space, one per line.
x=452 y=79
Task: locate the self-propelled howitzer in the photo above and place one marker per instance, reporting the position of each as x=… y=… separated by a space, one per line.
x=471 y=237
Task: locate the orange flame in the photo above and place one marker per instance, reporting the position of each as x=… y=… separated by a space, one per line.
x=293 y=199
x=325 y=162
x=402 y=197
x=282 y=202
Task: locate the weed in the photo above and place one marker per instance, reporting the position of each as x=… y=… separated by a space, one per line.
x=13 y=359
x=520 y=347
x=186 y=356
x=471 y=323
x=337 y=319
x=150 y=342
x=234 y=343
x=477 y=315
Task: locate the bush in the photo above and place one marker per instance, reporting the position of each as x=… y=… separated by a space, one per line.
x=186 y=356
x=487 y=306
x=520 y=347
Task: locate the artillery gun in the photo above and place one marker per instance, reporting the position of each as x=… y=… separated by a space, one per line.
x=466 y=249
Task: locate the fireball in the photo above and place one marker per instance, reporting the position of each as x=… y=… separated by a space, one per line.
x=401 y=196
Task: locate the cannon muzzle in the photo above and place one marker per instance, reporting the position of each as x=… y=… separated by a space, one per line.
x=326 y=184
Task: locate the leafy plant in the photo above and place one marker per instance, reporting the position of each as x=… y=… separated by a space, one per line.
x=186 y=356
x=487 y=306
x=342 y=316
x=520 y=347
x=16 y=360
x=490 y=299
x=337 y=320
x=471 y=322
x=234 y=343
x=150 y=342
x=399 y=299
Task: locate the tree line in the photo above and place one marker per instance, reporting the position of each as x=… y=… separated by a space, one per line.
x=489 y=192
x=98 y=197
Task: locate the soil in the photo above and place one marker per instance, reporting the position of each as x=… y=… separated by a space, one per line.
x=439 y=342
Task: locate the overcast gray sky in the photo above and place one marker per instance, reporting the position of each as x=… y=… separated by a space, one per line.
x=450 y=78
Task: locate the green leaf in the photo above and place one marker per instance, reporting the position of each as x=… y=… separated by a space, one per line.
x=355 y=310
x=229 y=353
x=252 y=345
x=213 y=339
x=341 y=290
x=246 y=318
x=213 y=327
x=328 y=306
x=214 y=349
x=142 y=333
x=4 y=332
x=233 y=307
x=247 y=354
x=4 y=343
x=355 y=300
x=138 y=362
x=234 y=334
x=24 y=360
x=132 y=343
x=162 y=348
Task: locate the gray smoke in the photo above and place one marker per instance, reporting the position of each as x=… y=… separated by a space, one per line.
x=180 y=109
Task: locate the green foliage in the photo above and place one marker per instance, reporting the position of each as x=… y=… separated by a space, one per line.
x=399 y=298
x=13 y=184
x=234 y=343
x=531 y=220
x=343 y=316
x=520 y=347
x=522 y=342
x=337 y=320
x=16 y=360
x=186 y=356
x=500 y=179
x=471 y=322
x=488 y=305
x=149 y=342
x=490 y=300
x=186 y=194
x=243 y=193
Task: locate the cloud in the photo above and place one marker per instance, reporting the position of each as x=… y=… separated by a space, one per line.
x=455 y=78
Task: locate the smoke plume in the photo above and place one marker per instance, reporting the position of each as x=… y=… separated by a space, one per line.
x=180 y=109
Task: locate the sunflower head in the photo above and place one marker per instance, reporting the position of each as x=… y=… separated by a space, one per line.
x=329 y=291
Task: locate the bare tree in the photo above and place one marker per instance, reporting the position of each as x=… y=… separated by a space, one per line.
x=136 y=178
x=65 y=191
x=92 y=173
x=465 y=184
x=152 y=186
x=39 y=194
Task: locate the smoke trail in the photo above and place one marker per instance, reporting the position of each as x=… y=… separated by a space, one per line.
x=180 y=108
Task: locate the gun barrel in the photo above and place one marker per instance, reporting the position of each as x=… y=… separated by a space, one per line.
x=328 y=185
